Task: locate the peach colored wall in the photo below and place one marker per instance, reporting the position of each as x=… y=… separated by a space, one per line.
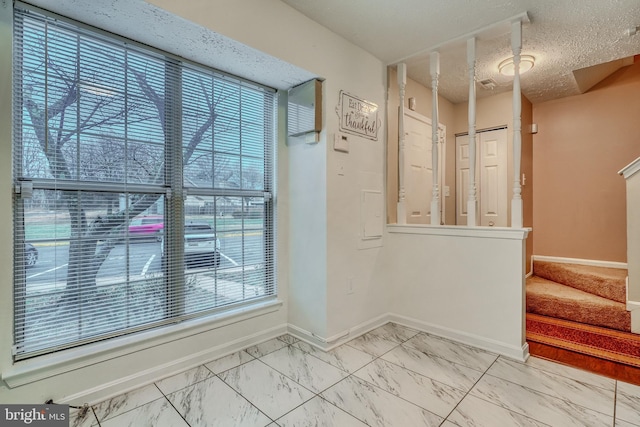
x=583 y=141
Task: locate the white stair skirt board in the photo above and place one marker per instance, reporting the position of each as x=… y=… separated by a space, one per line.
x=634 y=308
x=590 y=262
x=635 y=319
x=631 y=305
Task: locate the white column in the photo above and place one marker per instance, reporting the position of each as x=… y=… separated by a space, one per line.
x=516 y=202
x=435 y=194
x=401 y=209
x=472 y=203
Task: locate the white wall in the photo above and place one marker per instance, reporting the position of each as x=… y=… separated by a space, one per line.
x=463 y=283
x=304 y=193
x=632 y=172
x=350 y=258
x=324 y=222
x=324 y=213
x=319 y=226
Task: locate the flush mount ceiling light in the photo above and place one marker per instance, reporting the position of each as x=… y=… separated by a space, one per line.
x=507 y=68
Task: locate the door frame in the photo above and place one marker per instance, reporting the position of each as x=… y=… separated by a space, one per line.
x=478 y=187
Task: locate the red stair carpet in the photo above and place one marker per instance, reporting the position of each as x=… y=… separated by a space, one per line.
x=577 y=315
x=605 y=343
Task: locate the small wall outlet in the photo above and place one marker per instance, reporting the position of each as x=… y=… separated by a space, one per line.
x=340 y=167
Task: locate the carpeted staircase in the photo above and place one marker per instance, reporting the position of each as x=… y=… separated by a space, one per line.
x=584 y=294
x=576 y=315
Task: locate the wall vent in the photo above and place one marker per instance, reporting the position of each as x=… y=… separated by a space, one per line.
x=488 y=84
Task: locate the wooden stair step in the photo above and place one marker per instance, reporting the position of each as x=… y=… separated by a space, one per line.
x=605 y=282
x=552 y=299
x=601 y=350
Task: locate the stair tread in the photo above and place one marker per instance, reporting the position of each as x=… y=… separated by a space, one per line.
x=604 y=272
x=541 y=285
x=602 y=281
x=553 y=299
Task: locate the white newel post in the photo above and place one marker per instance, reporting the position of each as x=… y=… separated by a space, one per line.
x=631 y=174
x=472 y=204
x=401 y=210
x=516 y=202
x=435 y=195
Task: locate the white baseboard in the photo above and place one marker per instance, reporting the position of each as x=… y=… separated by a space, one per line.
x=633 y=305
x=513 y=352
x=131 y=382
x=309 y=337
x=591 y=262
x=338 y=339
x=142 y=378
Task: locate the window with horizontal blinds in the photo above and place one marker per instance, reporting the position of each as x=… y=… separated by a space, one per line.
x=143 y=187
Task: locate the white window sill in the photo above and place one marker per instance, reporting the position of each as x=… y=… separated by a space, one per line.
x=41 y=367
x=460 y=231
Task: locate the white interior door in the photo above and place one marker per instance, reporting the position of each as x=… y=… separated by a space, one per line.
x=418 y=168
x=462 y=178
x=491 y=178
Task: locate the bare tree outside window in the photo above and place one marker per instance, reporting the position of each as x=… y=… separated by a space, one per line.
x=94 y=139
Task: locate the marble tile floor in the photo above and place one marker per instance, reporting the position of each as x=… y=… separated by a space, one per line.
x=391 y=376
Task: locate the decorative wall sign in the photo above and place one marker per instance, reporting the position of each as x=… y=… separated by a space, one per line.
x=357 y=116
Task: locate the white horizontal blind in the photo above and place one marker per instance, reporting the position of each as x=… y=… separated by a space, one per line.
x=143 y=187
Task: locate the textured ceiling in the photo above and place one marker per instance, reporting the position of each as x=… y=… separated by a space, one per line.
x=148 y=24
x=563 y=35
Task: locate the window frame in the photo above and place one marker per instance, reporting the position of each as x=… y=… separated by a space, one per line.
x=172 y=189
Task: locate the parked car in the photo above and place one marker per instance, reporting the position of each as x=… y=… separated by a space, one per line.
x=201 y=246
x=151 y=226
x=30 y=255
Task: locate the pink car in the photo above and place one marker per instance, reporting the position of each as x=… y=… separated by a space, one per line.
x=147 y=226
